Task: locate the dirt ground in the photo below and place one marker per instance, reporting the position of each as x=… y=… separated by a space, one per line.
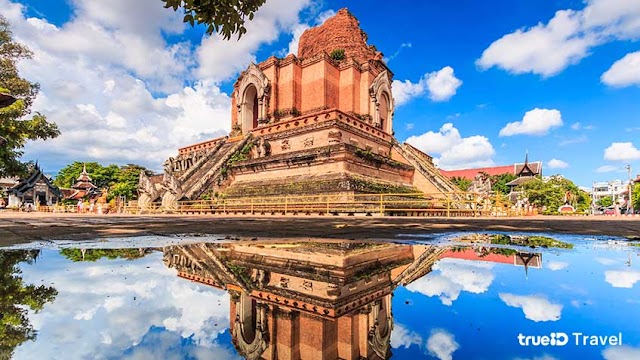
x=18 y=228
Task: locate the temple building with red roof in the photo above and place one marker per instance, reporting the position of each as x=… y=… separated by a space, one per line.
x=519 y=169
x=83 y=188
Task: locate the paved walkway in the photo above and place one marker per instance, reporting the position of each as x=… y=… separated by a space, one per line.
x=26 y=227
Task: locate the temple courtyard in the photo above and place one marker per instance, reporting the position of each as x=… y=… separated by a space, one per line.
x=16 y=228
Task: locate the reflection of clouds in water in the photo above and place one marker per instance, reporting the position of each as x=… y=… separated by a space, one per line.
x=541 y=357
x=401 y=336
x=535 y=307
x=579 y=304
x=606 y=261
x=622 y=278
x=556 y=265
x=451 y=276
x=169 y=345
x=442 y=344
x=623 y=352
x=105 y=307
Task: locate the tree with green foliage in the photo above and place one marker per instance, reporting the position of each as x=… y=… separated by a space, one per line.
x=636 y=196
x=551 y=193
x=93 y=255
x=461 y=182
x=120 y=181
x=101 y=176
x=126 y=183
x=605 y=201
x=226 y=17
x=16 y=298
x=15 y=130
x=499 y=183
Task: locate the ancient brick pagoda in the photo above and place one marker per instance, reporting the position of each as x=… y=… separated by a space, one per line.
x=308 y=300
x=316 y=123
x=317 y=299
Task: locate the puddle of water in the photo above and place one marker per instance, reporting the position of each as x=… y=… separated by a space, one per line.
x=439 y=298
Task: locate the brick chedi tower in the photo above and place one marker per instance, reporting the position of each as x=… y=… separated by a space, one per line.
x=320 y=122
x=311 y=300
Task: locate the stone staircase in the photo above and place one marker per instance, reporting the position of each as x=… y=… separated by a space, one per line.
x=186 y=175
x=424 y=165
x=199 y=178
x=420 y=267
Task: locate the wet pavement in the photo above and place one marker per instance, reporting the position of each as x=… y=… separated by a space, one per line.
x=27 y=227
x=412 y=296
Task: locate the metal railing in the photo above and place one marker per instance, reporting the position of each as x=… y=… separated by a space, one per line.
x=414 y=204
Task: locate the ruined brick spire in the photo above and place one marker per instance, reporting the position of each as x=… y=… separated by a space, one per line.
x=342 y=31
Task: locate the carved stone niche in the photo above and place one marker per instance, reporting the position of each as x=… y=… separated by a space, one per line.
x=334 y=137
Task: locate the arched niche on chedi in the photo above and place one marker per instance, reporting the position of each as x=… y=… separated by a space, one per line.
x=382 y=105
x=250 y=331
x=252 y=99
x=381 y=321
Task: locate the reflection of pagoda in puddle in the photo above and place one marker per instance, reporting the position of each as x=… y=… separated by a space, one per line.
x=308 y=300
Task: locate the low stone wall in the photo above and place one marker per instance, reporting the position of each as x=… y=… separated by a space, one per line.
x=334 y=184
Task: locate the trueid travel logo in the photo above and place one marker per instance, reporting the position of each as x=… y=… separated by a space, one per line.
x=575 y=338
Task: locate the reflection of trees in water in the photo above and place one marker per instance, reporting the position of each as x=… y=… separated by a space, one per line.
x=15 y=298
x=97 y=254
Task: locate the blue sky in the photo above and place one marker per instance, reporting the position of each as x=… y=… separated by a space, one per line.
x=131 y=83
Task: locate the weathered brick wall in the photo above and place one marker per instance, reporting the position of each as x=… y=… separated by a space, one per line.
x=339 y=32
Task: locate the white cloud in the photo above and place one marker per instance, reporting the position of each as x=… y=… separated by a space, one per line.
x=556 y=265
x=118 y=93
x=535 y=307
x=220 y=60
x=542 y=49
x=403 y=337
x=577 y=140
x=576 y=126
x=440 y=85
x=454 y=150
x=623 y=352
x=452 y=276
x=606 y=261
x=557 y=164
x=624 y=72
x=622 y=278
x=621 y=151
x=405 y=91
x=442 y=344
x=607 y=168
x=535 y=122
x=547 y=49
x=541 y=357
x=397 y=52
